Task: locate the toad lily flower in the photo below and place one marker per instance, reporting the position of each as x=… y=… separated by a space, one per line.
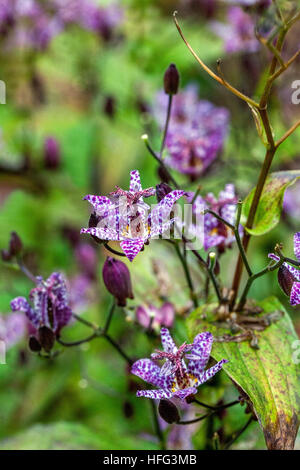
x=50 y=304
x=123 y=216
x=289 y=276
x=175 y=378
x=217 y=233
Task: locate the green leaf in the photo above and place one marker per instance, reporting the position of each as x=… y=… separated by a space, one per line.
x=270 y=204
x=267 y=376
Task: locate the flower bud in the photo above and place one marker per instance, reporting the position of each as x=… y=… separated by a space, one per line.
x=171 y=80
x=110 y=106
x=168 y=411
x=5 y=255
x=15 y=244
x=116 y=277
x=285 y=280
x=162 y=189
x=52 y=153
x=34 y=344
x=46 y=338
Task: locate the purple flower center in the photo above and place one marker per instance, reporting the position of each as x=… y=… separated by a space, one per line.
x=175 y=358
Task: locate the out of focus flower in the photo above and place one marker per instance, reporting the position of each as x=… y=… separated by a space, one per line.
x=238 y=33
x=116 y=277
x=291 y=202
x=289 y=275
x=152 y=317
x=33 y=24
x=12 y=328
x=175 y=378
x=87 y=259
x=215 y=232
x=81 y=292
x=171 y=80
x=197 y=131
x=123 y=216
x=50 y=307
x=52 y=154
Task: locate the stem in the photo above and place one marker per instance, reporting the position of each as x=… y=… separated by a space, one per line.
x=210 y=72
x=85 y=322
x=187 y=275
x=109 y=318
x=157 y=427
x=115 y=252
x=216 y=408
x=118 y=348
x=77 y=343
x=166 y=125
x=191 y=421
x=159 y=160
x=25 y=270
x=238 y=434
x=210 y=273
x=270 y=267
x=287 y=134
x=238 y=238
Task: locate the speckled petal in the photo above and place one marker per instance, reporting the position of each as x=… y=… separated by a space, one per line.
x=100 y=203
x=182 y=394
x=297 y=245
x=209 y=373
x=135 y=181
x=151 y=373
x=20 y=304
x=132 y=247
x=293 y=270
x=199 y=354
x=167 y=341
x=104 y=233
x=162 y=210
x=155 y=394
x=295 y=294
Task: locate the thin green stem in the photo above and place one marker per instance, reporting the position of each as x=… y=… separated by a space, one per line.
x=109 y=317
x=166 y=125
x=118 y=348
x=157 y=427
x=187 y=275
x=238 y=434
x=160 y=161
x=115 y=252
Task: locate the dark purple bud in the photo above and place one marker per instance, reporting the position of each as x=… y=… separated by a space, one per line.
x=46 y=338
x=162 y=189
x=286 y=280
x=163 y=174
x=52 y=154
x=5 y=255
x=128 y=409
x=168 y=411
x=15 y=244
x=116 y=277
x=171 y=80
x=110 y=106
x=34 y=344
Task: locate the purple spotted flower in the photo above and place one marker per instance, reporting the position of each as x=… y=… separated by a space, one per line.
x=197 y=131
x=49 y=304
x=175 y=378
x=289 y=276
x=123 y=216
x=153 y=317
x=238 y=33
x=215 y=232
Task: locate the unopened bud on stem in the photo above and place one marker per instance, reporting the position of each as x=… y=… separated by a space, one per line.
x=171 y=80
